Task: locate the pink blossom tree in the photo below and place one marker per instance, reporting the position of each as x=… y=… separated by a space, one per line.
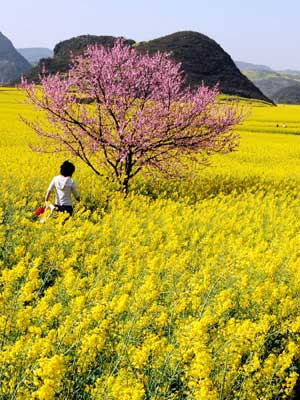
x=122 y=112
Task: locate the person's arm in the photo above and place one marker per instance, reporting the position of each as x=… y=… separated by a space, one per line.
x=50 y=188
x=75 y=191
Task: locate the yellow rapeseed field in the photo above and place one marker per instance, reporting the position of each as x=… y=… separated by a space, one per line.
x=185 y=290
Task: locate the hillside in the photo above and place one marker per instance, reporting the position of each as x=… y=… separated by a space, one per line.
x=288 y=95
x=280 y=86
x=12 y=63
x=34 y=54
x=203 y=60
x=270 y=86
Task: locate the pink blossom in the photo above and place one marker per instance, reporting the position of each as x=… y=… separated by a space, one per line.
x=132 y=111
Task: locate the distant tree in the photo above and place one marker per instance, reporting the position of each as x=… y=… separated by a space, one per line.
x=126 y=111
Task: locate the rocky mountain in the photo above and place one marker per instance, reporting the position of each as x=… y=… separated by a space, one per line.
x=202 y=59
x=12 y=63
x=34 y=54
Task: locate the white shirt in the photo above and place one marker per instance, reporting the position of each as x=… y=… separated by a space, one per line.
x=64 y=186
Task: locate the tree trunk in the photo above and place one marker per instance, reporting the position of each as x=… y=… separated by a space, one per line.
x=128 y=170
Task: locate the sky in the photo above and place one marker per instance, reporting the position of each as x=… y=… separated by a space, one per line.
x=257 y=31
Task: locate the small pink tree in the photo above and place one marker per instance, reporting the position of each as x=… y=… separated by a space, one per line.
x=128 y=112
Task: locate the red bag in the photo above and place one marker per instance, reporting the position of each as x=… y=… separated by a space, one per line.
x=39 y=211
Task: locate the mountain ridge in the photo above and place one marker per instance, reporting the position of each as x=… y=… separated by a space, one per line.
x=202 y=60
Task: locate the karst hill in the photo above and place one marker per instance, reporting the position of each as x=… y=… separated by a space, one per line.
x=12 y=63
x=204 y=60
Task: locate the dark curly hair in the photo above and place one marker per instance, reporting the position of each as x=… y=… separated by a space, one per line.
x=67 y=168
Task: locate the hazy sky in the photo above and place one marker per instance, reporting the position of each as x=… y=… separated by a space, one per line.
x=258 y=31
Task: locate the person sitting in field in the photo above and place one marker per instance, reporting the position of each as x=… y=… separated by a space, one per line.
x=64 y=186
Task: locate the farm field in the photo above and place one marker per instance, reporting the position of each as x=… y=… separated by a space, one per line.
x=185 y=290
